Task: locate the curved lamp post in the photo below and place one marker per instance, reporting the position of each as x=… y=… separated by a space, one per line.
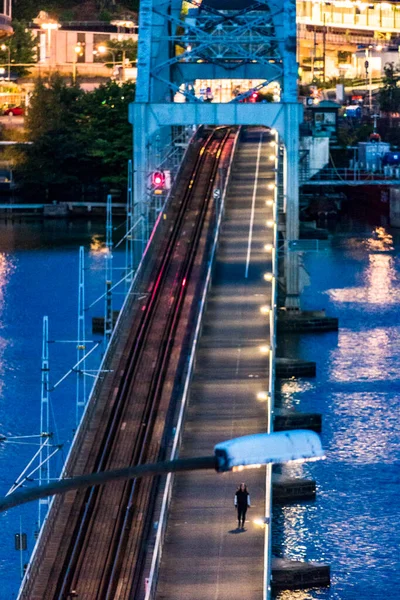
x=7 y=47
x=106 y=50
x=250 y=451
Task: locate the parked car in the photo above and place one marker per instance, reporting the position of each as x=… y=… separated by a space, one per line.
x=16 y=111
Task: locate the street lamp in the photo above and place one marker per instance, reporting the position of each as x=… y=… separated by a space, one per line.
x=78 y=50
x=368 y=70
x=250 y=451
x=48 y=25
x=105 y=50
x=4 y=47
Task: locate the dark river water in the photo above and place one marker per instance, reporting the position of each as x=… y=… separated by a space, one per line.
x=354 y=523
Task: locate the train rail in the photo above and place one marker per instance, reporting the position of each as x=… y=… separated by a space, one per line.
x=103 y=553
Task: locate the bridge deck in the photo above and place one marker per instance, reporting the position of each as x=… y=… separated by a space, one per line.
x=205 y=555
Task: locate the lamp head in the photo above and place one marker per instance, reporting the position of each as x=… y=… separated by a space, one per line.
x=263 y=448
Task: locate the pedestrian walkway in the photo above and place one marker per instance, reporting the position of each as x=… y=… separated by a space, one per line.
x=205 y=556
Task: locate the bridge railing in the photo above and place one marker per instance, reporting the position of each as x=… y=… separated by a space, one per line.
x=357 y=175
x=271 y=383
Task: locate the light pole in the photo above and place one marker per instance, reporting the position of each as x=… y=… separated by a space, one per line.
x=250 y=451
x=48 y=25
x=105 y=50
x=5 y=47
x=78 y=49
x=368 y=70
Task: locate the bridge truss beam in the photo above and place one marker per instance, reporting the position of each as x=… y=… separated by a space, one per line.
x=252 y=40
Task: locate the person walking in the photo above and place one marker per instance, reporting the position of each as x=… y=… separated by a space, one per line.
x=242 y=502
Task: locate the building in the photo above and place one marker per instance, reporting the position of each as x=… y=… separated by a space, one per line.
x=5 y=19
x=74 y=47
x=343 y=39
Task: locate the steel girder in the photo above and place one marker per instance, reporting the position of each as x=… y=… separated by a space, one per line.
x=180 y=43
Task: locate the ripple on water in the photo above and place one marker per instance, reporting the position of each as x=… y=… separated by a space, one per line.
x=354 y=524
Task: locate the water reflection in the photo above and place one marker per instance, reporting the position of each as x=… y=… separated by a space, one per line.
x=354 y=523
x=6 y=269
x=97 y=245
x=380 y=241
x=378 y=283
x=366 y=355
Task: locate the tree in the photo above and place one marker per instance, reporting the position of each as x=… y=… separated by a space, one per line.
x=124 y=49
x=22 y=48
x=54 y=165
x=389 y=96
x=80 y=140
x=28 y=9
x=107 y=131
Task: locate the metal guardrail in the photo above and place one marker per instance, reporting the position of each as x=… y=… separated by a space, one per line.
x=350 y=177
x=271 y=392
x=307 y=245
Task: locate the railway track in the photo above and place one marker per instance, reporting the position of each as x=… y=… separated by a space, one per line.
x=103 y=555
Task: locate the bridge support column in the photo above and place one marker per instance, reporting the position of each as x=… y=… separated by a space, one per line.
x=291 y=204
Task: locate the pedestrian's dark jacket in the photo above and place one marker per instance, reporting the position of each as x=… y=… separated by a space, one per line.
x=242 y=498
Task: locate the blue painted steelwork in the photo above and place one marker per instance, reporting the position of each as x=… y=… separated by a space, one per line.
x=108 y=312
x=81 y=395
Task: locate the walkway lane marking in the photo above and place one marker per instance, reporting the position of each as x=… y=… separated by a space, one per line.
x=253 y=203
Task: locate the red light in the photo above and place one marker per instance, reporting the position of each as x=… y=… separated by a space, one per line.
x=158 y=179
x=255 y=94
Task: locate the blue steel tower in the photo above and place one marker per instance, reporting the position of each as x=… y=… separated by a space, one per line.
x=181 y=44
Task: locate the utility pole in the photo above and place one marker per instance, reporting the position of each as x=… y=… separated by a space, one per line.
x=314 y=54
x=44 y=462
x=108 y=312
x=129 y=243
x=123 y=65
x=324 y=50
x=81 y=347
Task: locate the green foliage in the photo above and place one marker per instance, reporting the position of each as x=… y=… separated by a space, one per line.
x=28 y=9
x=343 y=56
x=105 y=15
x=22 y=48
x=349 y=133
x=127 y=48
x=80 y=140
x=56 y=159
x=108 y=134
x=389 y=96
